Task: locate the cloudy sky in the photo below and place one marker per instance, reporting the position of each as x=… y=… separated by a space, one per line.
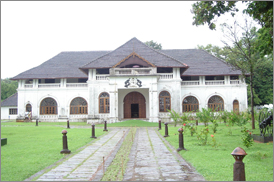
x=34 y=32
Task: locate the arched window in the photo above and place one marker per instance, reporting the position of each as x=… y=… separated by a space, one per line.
x=78 y=106
x=48 y=106
x=190 y=103
x=164 y=101
x=216 y=103
x=104 y=103
x=28 y=108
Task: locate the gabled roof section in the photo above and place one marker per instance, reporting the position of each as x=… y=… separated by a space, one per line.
x=63 y=65
x=156 y=58
x=131 y=58
x=10 y=101
x=201 y=63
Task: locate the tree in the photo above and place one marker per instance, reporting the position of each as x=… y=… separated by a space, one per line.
x=261 y=11
x=8 y=88
x=219 y=52
x=263 y=75
x=154 y=45
x=244 y=53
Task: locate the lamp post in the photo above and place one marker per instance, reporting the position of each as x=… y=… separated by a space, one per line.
x=93 y=131
x=160 y=126
x=166 y=130
x=181 y=140
x=68 y=124
x=105 y=126
x=36 y=122
x=239 y=167
x=65 y=143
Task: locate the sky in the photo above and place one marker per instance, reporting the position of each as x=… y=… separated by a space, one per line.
x=33 y=32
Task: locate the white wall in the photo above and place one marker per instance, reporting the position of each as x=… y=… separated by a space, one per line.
x=5 y=113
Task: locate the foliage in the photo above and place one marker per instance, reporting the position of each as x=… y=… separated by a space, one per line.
x=214 y=142
x=262 y=12
x=202 y=135
x=214 y=126
x=224 y=115
x=154 y=45
x=263 y=82
x=205 y=12
x=175 y=116
x=191 y=126
x=263 y=75
x=246 y=137
x=206 y=115
x=216 y=164
x=8 y=88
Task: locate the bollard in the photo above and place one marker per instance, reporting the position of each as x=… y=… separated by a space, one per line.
x=239 y=167
x=181 y=140
x=196 y=122
x=65 y=143
x=105 y=126
x=36 y=122
x=68 y=124
x=166 y=130
x=160 y=126
x=93 y=131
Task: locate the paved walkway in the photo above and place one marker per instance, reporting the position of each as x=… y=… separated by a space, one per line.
x=151 y=158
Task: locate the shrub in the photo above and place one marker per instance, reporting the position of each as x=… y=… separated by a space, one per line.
x=246 y=137
x=202 y=136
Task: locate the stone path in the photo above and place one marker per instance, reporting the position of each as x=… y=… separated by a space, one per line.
x=83 y=165
x=151 y=158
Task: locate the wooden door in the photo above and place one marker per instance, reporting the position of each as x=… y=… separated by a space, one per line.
x=235 y=106
x=131 y=99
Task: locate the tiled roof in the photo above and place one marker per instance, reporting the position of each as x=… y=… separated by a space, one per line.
x=63 y=65
x=201 y=63
x=76 y=64
x=153 y=56
x=10 y=101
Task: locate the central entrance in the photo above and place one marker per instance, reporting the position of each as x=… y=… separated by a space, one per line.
x=134 y=105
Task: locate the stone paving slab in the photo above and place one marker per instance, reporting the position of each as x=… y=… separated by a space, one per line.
x=150 y=160
x=83 y=165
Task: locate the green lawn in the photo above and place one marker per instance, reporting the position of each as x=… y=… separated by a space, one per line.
x=30 y=148
x=216 y=164
x=131 y=123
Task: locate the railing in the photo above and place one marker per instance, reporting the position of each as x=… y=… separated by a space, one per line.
x=56 y=85
x=102 y=77
x=190 y=83
x=28 y=85
x=234 y=82
x=77 y=85
x=132 y=71
x=219 y=82
x=166 y=76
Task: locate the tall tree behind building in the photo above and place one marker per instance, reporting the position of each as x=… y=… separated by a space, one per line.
x=8 y=88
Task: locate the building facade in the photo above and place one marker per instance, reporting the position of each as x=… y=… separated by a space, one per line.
x=132 y=81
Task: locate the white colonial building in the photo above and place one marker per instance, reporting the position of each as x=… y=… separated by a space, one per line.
x=133 y=81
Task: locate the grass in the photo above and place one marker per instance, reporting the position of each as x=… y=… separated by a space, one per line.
x=216 y=164
x=115 y=172
x=130 y=123
x=30 y=149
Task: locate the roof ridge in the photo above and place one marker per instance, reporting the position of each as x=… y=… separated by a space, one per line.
x=163 y=54
x=106 y=54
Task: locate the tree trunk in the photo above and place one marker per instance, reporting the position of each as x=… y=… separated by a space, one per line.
x=252 y=101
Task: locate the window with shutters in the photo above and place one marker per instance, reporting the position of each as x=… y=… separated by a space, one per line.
x=104 y=103
x=190 y=104
x=78 y=106
x=216 y=103
x=164 y=101
x=48 y=106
